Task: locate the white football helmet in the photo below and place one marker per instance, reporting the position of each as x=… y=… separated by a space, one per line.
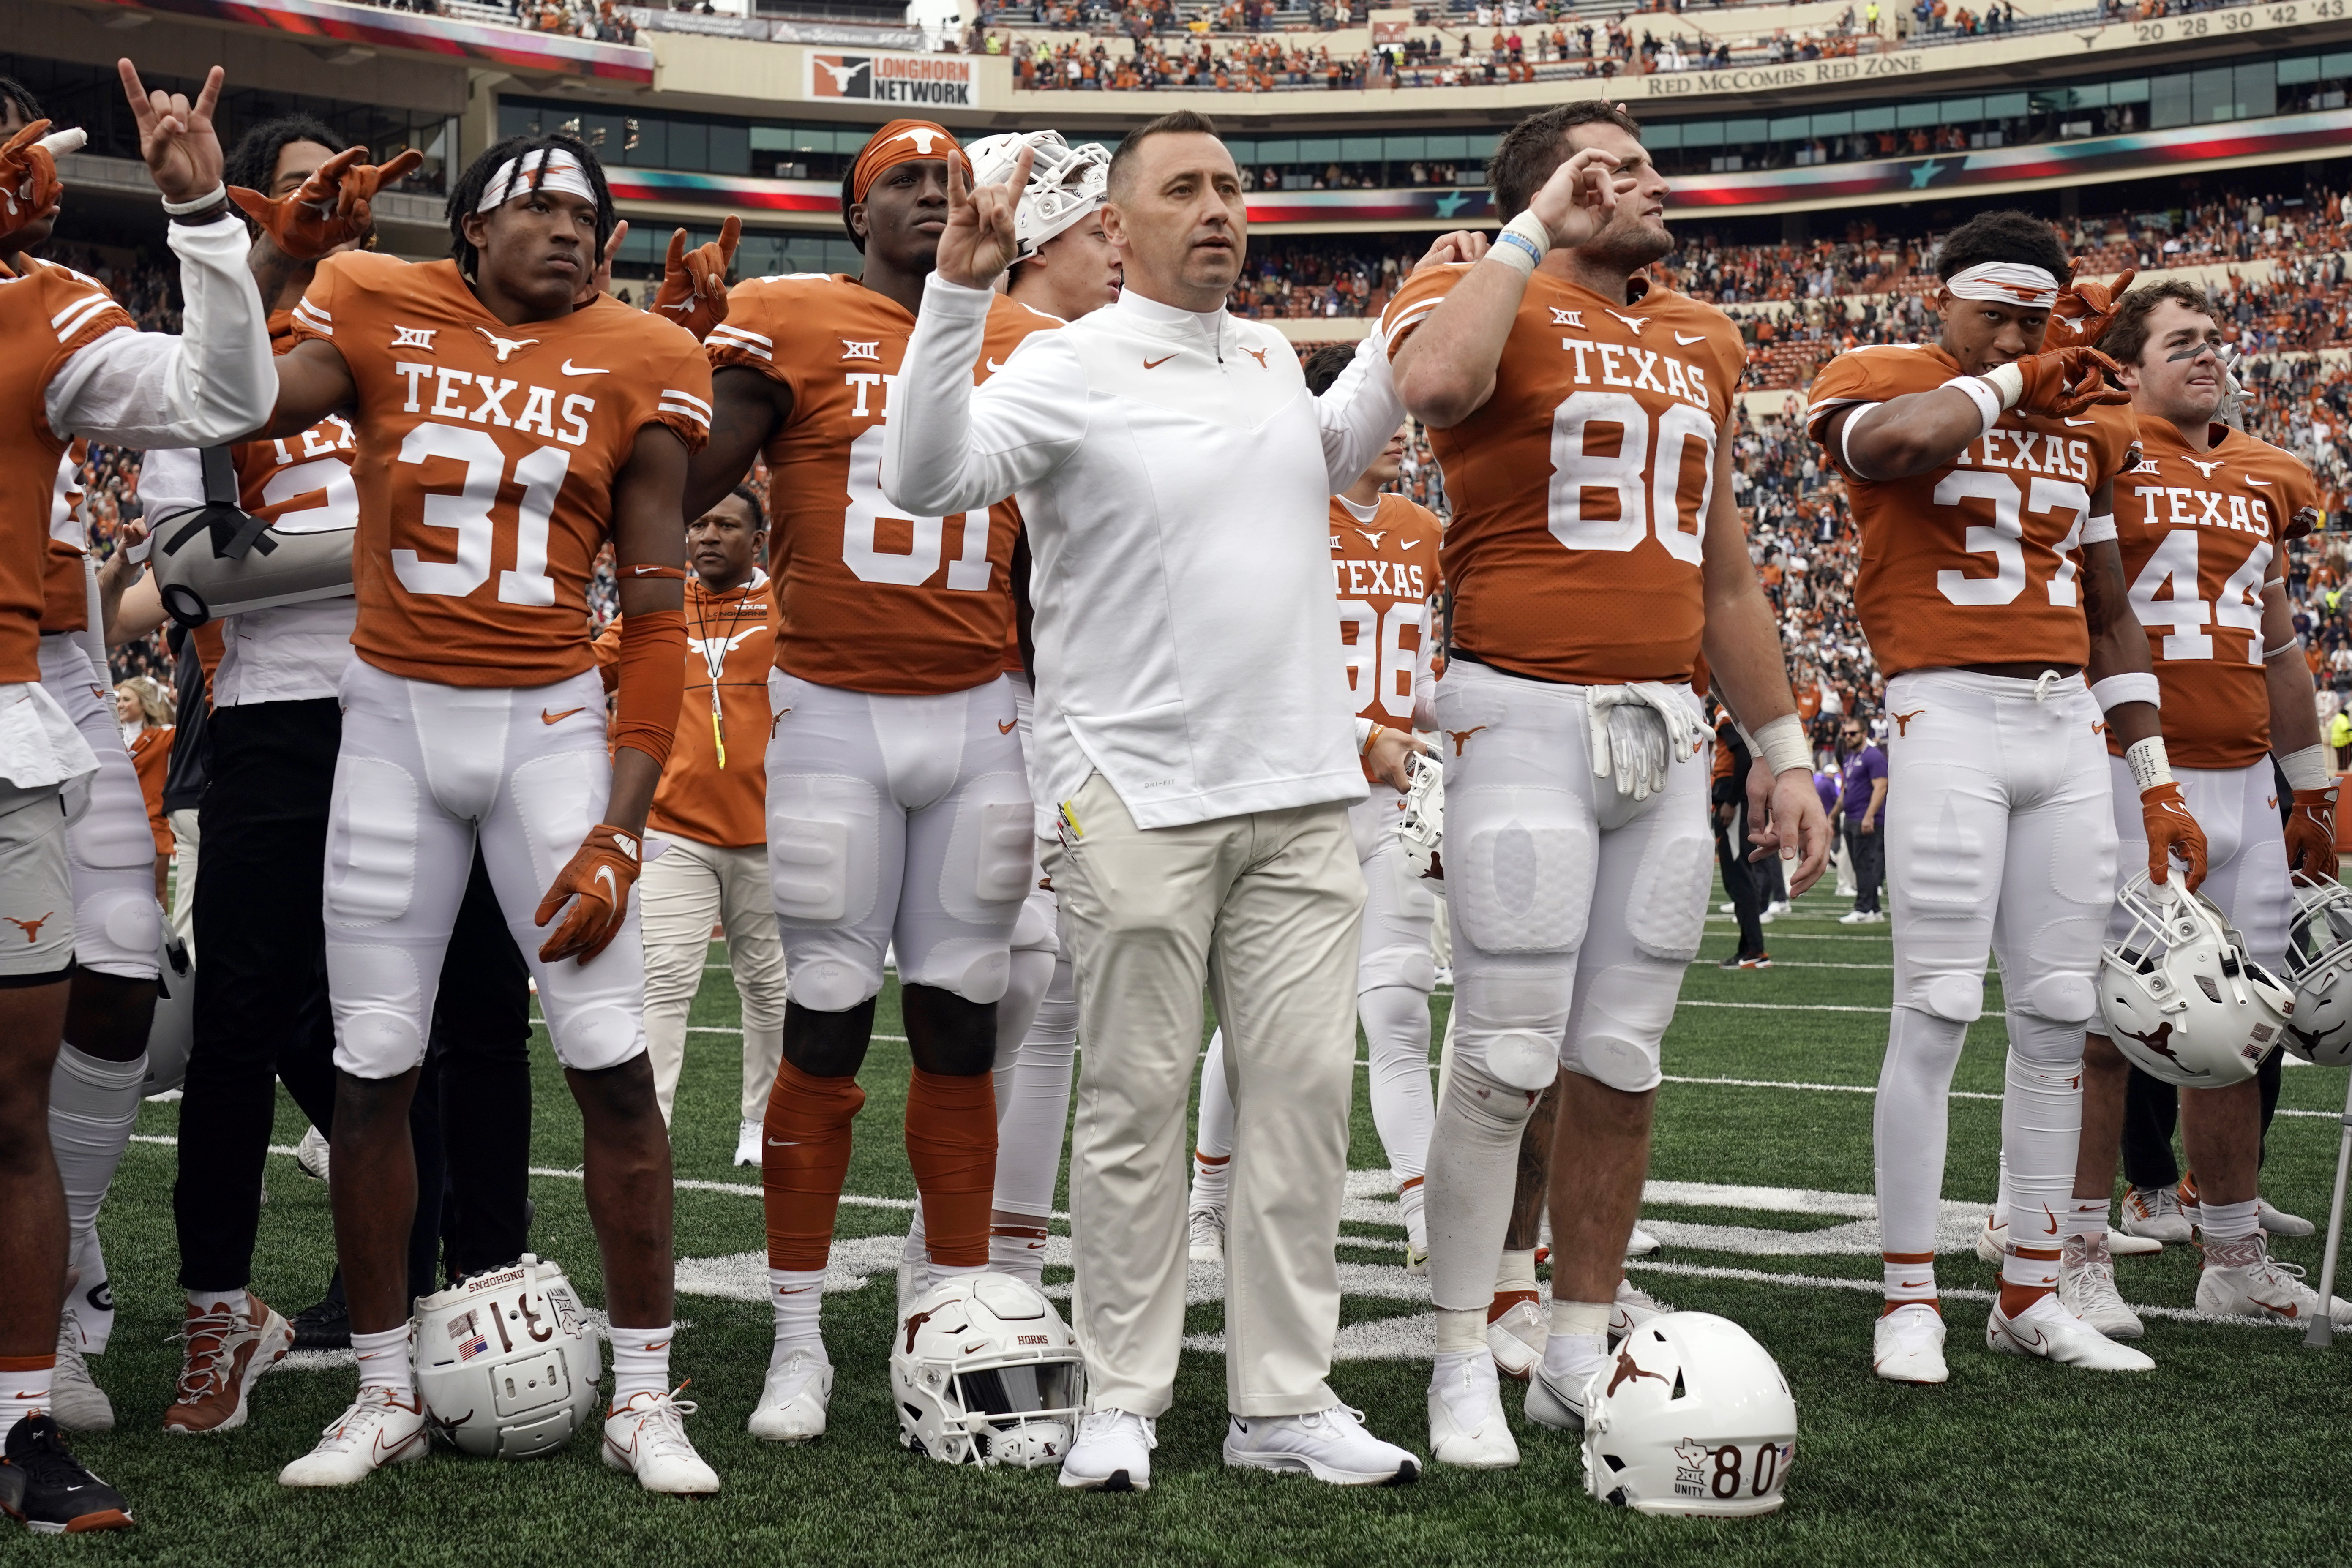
x=172 y=1031
x=1691 y=1417
x=2179 y=996
x=1422 y=823
x=2319 y=963
x=1065 y=183
x=507 y=1363
x=984 y=1372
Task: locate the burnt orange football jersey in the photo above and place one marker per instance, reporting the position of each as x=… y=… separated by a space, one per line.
x=714 y=788
x=1580 y=490
x=301 y=483
x=2200 y=533
x=1384 y=571
x=1977 y=562
x=485 y=462
x=46 y=315
x=65 y=601
x=867 y=600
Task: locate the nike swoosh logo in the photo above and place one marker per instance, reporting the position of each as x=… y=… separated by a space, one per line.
x=1914 y=1284
x=994 y=365
x=547 y=717
x=571 y=369
x=2272 y=803
x=2263 y=483
x=1156 y=363
x=1687 y=342
x=612 y=887
x=2020 y=1335
x=783 y=1142
x=1006 y=728
x=2081 y=422
x=2287 y=1311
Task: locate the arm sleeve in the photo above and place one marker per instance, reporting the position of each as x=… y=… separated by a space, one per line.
x=215 y=382
x=1359 y=413
x=948 y=448
x=607 y=650
x=169 y=477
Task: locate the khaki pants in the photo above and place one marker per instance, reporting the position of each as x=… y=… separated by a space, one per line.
x=683 y=892
x=1263 y=908
x=183 y=876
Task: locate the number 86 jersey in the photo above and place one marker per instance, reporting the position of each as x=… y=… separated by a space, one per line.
x=1977 y=562
x=486 y=462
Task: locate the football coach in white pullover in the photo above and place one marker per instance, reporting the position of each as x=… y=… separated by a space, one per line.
x=1196 y=757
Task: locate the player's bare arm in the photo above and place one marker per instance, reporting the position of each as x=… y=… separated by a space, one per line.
x=313 y=382
x=747 y=410
x=2295 y=733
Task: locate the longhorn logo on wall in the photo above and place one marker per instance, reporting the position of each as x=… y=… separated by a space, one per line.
x=941 y=80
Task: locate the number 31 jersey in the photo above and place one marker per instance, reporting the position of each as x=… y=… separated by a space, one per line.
x=1580 y=490
x=1977 y=562
x=486 y=463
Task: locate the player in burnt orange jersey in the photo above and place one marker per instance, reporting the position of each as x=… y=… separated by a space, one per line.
x=1582 y=416
x=897 y=807
x=511 y=419
x=1985 y=474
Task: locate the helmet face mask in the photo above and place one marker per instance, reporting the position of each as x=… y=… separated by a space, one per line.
x=984 y=1372
x=2178 y=995
x=2319 y=965
x=1065 y=184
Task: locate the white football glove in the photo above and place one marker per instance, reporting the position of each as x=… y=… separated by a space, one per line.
x=1638 y=731
x=1422 y=825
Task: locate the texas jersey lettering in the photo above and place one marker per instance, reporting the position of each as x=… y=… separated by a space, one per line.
x=1978 y=561
x=2200 y=533
x=1580 y=489
x=485 y=463
x=865 y=600
x=1384 y=570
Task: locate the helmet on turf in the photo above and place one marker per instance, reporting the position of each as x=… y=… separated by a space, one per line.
x=1422 y=823
x=2319 y=963
x=2179 y=996
x=172 y=1030
x=1065 y=183
x=984 y=1372
x=507 y=1363
x=1691 y=1417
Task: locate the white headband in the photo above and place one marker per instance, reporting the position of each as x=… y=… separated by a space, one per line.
x=2005 y=283
x=551 y=170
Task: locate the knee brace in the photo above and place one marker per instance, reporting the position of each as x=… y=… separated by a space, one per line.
x=948 y=1036
x=1623 y=1017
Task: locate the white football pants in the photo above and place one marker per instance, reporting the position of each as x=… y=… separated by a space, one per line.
x=2245 y=845
x=683 y=892
x=118 y=925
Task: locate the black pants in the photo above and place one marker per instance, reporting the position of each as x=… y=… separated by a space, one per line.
x=1739 y=882
x=1869 y=852
x=261 y=1002
x=2152 y=1108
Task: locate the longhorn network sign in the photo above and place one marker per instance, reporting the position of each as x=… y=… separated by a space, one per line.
x=937 y=80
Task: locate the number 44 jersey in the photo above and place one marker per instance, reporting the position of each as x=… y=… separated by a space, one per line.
x=1977 y=562
x=486 y=463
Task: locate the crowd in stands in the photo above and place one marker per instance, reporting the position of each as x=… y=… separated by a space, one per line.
x=596 y=19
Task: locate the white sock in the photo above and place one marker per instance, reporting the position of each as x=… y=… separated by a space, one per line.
x=214 y=1300
x=1213 y=1154
x=1413 y=1201
x=93 y=1106
x=1460 y=1333
x=956 y=1271
x=2229 y=1222
x=384 y=1362
x=1018 y=1248
x=1516 y=1274
x=796 y=1294
x=1578 y=1342
x=2087 y=1221
x=640 y=1363
x=1905 y=1282
x=25 y=1391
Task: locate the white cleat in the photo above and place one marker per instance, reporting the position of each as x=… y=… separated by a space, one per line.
x=2048 y=1330
x=75 y=1397
x=1640 y=1244
x=379 y=1428
x=1207 y=1232
x=311 y=1154
x=1516 y=1335
x=1633 y=1308
x=2242 y=1279
x=1330 y=1444
x=2086 y=1288
x=1112 y=1452
x=794 y=1398
x=1467 y=1425
x=2278 y=1222
x=1555 y=1405
x=646 y=1437
x=2155 y=1214
x=1416 y=1261
x=1777 y=906
x=1907 y=1345
x=1992 y=1240
x=747 y=1142
x=2120 y=1245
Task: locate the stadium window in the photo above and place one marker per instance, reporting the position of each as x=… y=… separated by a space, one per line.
x=1404 y=147
x=1834 y=124
x=2335 y=66
x=1880 y=119
x=1915 y=116
x=2254 y=85
x=2169 y=101
x=1277 y=152
x=1319 y=152
x=1450 y=148
x=1480 y=147
x=1743 y=132
x=1359 y=150
x=689 y=146
x=2298 y=70
x=1792 y=127
x=1961 y=110
x=2134 y=90
x=2004 y=106
x=730 y=150
x=1662 y=138
x=2210 y=95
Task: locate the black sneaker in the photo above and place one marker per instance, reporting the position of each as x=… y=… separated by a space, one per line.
x=49 y=1492
x=324 y=1325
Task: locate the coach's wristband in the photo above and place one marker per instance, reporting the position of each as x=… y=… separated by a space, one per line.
x=2307 y=769
x=1784 y=745
x=2136 y=686
x=2099 y=530
x=1987 y=401
x=2150 y=767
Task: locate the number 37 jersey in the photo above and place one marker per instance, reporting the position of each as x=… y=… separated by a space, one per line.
x=486 y=463
x=1977 y=562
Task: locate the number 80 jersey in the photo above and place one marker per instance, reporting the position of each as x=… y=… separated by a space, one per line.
x=486 y=462
x=1977 y=562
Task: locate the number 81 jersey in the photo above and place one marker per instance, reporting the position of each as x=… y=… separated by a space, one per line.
x=1580 y=489
x=1976 y=562
x=486 y=463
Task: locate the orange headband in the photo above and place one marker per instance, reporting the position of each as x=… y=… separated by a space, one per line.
x=901 y=142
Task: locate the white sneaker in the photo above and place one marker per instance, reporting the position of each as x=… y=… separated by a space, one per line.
x=1907 y=1346
x=794 y=1398
x=2242 y=1279
x=1207 y=1227
x=75 y=1398
x=1416 y=1260
x=2086 y=1288
x=1330 y=1444
x=2122 y=1246
x=1992 y=1241
x=1726 y=908
x=2155 y=1213
x=2048 y=1330
x=1765 y=917
x=311 y=1155
x=1516 y=1335
x=1633 y=1308
x=1467 y=1425
x=379 y=1428
x=1854 y=918
x=1640 y=1244
x=2278 y=1222
x=1777 y=906
x=1554 y=1404
x=647 y=1437
x=747 y=1142
x=1112 y=1452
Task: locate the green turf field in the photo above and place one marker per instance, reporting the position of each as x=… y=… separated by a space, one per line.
x=2224 y=1455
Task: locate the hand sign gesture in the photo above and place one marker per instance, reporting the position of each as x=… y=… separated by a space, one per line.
x=176 y=137
x=979 y=241
x=29 y=187
x=332 y=209
x=1581 y=197
x=600 y=277
x=693 y=282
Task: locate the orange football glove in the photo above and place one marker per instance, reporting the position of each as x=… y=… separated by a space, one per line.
x=597 y=881
x=693 y=290
x=29 y=187
x=2311 y=834
x=2067 y=381
x=2085 y=307
x=330 y=209
x=2171 y=831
